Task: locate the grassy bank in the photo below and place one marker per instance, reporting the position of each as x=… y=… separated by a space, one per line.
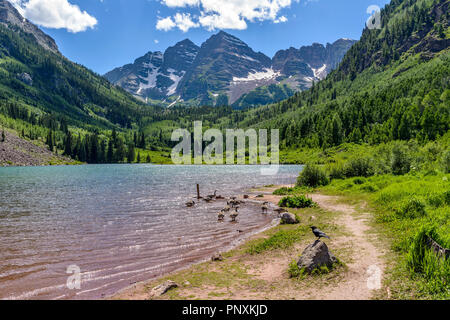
x=407 y=187
x=408 y=208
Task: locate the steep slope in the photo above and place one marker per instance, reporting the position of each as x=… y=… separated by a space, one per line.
x=35 y=76
x=223 y=61
x=18 y=151
x=156 y=75
x=9 y=16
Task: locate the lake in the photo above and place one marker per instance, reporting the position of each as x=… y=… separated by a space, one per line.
x=119 y=224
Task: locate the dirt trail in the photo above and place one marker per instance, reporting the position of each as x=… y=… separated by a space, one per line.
x=366 y=265
x=365 y=268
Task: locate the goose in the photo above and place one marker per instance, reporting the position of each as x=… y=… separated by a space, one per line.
x=234 y=215
x=234 y=203
x=220 y=216
x=190 y=203
x=264 y=208
x=212 y=195
x=226 y=209
x=208 y=199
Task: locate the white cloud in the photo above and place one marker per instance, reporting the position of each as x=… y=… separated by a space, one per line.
x=219 y=14
x=281 y=19
x=56 y=14
x=182 y=21
x=165 y=24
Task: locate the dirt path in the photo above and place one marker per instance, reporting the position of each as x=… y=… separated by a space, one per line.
x=365 y=271
x=264 y=276
x=365 y=268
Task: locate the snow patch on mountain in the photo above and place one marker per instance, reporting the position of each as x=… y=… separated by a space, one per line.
x=176 y=79
x=148 y=82
x=321 y=72
x=268 y=73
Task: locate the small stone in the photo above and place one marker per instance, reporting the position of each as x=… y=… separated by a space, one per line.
x=163 y=288
x=288 y=218
x=186 y=283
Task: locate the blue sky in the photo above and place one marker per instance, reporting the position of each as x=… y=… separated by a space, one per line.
x=104 y=34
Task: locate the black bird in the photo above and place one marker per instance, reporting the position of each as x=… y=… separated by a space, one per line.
x=319 y=234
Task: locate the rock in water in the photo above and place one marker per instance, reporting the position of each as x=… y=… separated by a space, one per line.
x=315 y=256
x=163 y=288
x=288 y=218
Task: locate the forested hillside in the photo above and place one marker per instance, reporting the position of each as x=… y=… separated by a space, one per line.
x=393 y=84
x=44 y=96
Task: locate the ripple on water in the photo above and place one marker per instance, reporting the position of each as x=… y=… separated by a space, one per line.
x=119 y=223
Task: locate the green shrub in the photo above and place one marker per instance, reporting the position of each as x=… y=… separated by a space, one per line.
x=439 y=199
x=411 y=208
x=294 y=271
x=359 y=167
x=446 y=162
x=283 y=191
x=336 y=171
x=359 y=181
x=400 y=159
x=297 y=202
x=369 y=188
x=313 y=176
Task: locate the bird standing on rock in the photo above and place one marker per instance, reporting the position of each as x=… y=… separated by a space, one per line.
x=319 y=234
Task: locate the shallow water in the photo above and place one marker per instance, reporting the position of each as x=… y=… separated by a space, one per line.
x=119 y=224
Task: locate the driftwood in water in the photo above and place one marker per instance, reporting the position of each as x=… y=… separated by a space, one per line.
x=438 y=249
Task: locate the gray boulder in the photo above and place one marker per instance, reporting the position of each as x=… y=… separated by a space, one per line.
x=163 y=288
x=288 y=218
x=315 y=256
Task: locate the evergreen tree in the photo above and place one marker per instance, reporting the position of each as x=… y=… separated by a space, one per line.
x=68 y=144
x=50 y=141
x=3 y=135
x=131 y=155
x=142 y=143
x=120 y=151
x=148 y=160
x=110 y=154
x=138 y=158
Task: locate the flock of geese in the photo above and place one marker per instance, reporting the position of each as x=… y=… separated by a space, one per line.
x=233 y=206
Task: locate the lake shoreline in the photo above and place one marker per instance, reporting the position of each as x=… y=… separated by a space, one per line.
x=268 y=196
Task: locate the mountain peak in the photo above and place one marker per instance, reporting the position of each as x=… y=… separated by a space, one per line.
x=9 y=15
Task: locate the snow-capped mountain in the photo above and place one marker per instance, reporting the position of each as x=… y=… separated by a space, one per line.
x=156 y=75
x=225 y=70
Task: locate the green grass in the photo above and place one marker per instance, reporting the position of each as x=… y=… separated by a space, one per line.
x=405 y=208
x=282 y=239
